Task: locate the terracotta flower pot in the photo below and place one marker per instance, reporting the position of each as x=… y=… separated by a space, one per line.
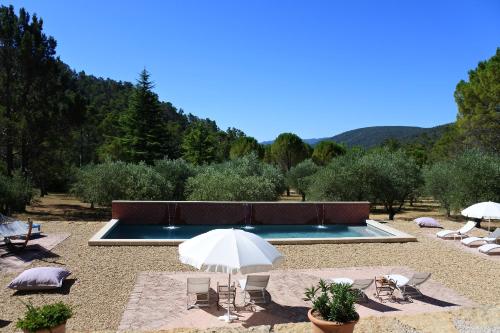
x=58 y=329
x=324 y=326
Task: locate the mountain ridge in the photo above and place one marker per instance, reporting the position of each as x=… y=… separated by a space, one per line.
x=371 y=136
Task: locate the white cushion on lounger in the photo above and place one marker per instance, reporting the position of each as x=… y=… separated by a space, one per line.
x=40 y=278
x=489 y=248
x=399 y=279
x=470 y=241
x=461 y=233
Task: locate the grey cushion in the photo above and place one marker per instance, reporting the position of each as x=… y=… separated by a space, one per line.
x=40 y=278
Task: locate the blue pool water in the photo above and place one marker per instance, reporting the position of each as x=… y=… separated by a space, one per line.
x=136 y=231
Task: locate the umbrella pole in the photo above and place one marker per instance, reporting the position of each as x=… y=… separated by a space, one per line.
x=229 y=299
x=228 y=318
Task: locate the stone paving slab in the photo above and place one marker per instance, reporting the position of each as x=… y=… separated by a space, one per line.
x=158 y=300
x=37 y=248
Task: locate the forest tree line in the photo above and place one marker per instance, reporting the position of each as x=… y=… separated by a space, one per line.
x=63 y=130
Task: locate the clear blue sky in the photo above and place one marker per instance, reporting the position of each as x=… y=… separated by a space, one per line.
x=315 y=68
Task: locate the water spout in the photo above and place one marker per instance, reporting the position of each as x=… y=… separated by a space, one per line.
x=321 y=221
x=171 y=226
x=248 y=217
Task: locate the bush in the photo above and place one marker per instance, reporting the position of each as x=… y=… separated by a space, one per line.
x=15 y=193
x=335 y=302
x=241 y=179
x=103 y=183
x=44 y=317
x=176 y=172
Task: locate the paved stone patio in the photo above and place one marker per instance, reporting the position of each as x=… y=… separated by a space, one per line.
x=37 y=248
x=158 y=300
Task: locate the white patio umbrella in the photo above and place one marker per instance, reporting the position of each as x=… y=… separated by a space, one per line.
x=229 y=251
x=483 y=210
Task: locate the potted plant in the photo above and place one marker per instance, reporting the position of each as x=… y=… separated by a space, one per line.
x=50 y=318
x=332 y=307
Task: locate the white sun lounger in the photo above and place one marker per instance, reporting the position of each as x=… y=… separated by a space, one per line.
x=493 y=237
x=402 y=283
x=200 y=288
x=358 y=285
x=460 y=233
x=489 y=249
x=255 y=286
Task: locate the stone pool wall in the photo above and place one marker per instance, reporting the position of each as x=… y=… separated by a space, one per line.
x=216 y=212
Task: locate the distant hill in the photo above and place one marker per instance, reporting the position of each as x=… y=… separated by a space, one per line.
x=368 y=137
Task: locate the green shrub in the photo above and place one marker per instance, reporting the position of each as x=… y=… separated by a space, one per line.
x=103 y=183
x=176 y=172
x=44 y=317
x=15 y=193
x=334 y=303
x=241 y=179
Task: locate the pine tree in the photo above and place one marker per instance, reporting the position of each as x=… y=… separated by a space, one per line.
x=145 y=135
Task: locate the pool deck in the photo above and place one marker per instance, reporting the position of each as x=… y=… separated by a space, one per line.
x=158 y=300
x=396 y=237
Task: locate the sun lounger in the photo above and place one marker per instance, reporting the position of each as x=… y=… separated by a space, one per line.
x=16 y=234
x=460 y=233
x=493 y=237
x=255 y=287
x=359 y=286
x=409 y=286
x=489 y=249
x=200 y=288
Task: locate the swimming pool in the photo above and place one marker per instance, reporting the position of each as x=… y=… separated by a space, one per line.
x=137 y=231
x=116 y=233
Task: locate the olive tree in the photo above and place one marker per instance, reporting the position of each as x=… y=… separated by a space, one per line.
x=103 y=183
x=244 y=178
x=299 y=176
x=470 y=178
x=381 y=176
x=391 y=177
x=340 y=180
x=440 y=182
x=176 y=172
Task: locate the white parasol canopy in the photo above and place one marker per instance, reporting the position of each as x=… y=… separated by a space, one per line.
x=229 y=251
x=483 y=210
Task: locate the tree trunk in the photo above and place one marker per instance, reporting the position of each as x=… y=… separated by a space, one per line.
x=9 y=154
x=391 y=212
x=288 y=191
x=303 y=197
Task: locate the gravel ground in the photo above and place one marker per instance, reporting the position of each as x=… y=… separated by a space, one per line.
x=106 y=275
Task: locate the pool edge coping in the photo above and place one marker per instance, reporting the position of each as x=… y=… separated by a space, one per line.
x=397 y=237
